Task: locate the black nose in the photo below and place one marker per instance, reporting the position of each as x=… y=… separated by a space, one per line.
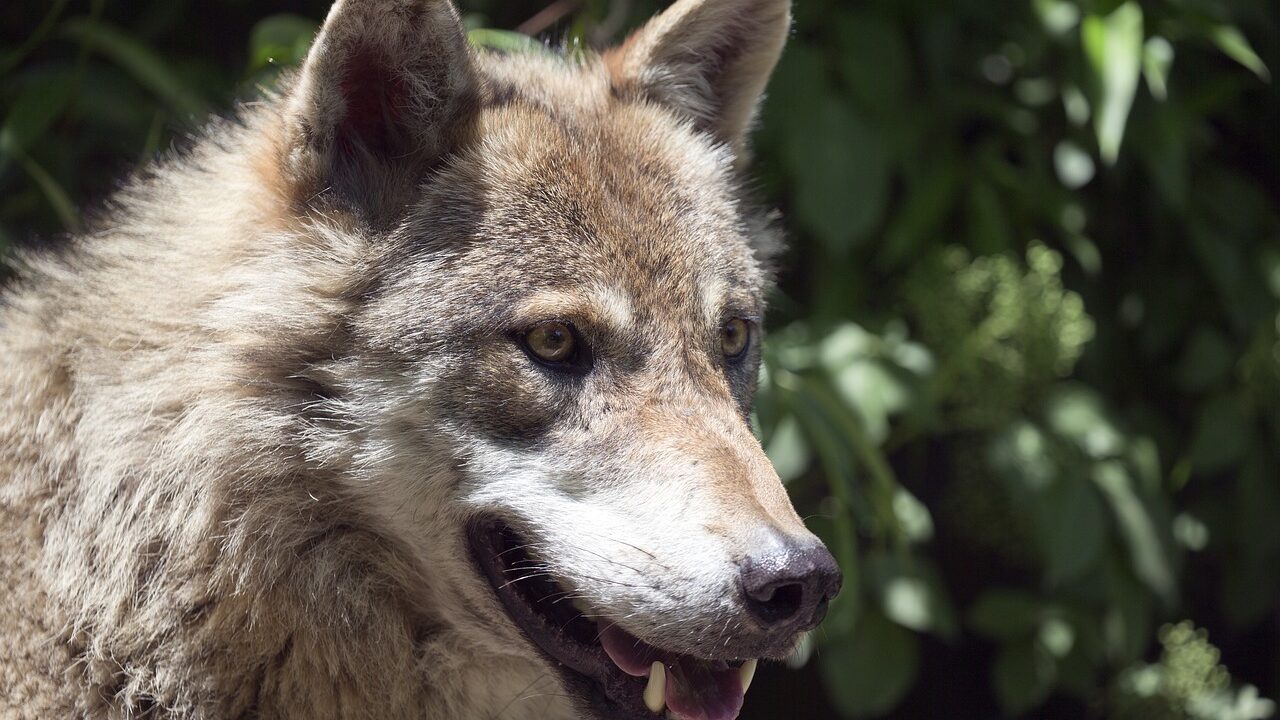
x=789 y=587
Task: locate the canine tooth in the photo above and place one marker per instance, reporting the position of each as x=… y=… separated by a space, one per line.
x=747 y=672
x=655 y=692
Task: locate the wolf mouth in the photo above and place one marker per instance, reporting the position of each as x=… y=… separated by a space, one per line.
x=615 y=674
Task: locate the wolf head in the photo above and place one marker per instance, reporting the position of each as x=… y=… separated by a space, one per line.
x=548 y=370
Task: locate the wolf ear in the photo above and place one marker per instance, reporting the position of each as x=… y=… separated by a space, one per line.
x=382 y=92
x=708 y=59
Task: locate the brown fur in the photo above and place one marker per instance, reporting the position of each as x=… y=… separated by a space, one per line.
x=237 y=419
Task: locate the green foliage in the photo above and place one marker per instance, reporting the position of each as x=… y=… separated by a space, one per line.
x=1187 y=683
x=1000 y=333
x=1024 y=372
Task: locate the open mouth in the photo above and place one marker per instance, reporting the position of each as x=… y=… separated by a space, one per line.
x=619 y=676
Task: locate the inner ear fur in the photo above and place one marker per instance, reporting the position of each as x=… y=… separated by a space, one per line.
x=707 y=59
x=382 y=93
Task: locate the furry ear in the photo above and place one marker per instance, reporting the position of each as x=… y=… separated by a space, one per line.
x=382 y=92
x=708 y=59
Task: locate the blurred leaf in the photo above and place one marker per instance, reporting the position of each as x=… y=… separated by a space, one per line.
x=1073 y=529
x=141 y=61
x=797 y=86
x=841 y=173
x=1058 y=16
x=1057 y=637
x=1127 y=624
x=1020 y=453
x=504 y=41
x=1162 y=145
x=1207 y=361
x=874 y=59
x=911 y=593
x=1231 y=41
x=845 y=345
x=1222 y=435
x=1076 y=412
x=1074 y=166
x=874 y=393
x=988 y=221
x=1003 y=615
x=1157 y=58
x=788 y=450
x=10 y=59
x=280 y=40
x=1113 y=46
x=1022 y=676
x=1144 y=458
x=36 y=107
x=926 y=206
x=53 y=193
x=872 y=670
x=913 y=517
x=1147 y=552
x=1076 y=105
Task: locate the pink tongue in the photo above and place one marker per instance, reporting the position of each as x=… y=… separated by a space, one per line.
x=627 y=651
x=694 y=690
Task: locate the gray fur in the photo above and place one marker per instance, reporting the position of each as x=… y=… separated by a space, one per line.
x=243 y=421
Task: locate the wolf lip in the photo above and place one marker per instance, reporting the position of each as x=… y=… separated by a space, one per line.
x=608 y=669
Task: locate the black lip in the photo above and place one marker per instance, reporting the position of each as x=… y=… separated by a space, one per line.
x=566 y=640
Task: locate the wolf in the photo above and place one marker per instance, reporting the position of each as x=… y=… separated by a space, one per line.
x=418 y=389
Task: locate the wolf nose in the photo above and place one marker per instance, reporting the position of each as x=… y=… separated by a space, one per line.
x=789 y=587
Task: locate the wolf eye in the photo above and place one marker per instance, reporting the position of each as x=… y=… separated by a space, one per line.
x=554 y=343
x=735 y=337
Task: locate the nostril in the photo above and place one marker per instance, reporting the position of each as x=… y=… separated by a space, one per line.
x=777 y=603
x=791 y=588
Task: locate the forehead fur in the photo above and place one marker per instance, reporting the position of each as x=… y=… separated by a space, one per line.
x=576 y=186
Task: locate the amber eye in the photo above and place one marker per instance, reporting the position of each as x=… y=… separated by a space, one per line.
x=735 y=336
x=551 y=341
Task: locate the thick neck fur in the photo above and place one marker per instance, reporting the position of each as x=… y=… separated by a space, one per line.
x=193 y=543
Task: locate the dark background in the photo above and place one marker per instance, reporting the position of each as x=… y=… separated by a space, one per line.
x=1024 y=364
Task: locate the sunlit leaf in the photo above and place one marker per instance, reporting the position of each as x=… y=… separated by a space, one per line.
x=280 y=40
x=504 y=40
x=913 y=517
x=1231 y=41
x=1021 y=454
x=1157 y=58
x=874 y=393
x=1058 y=16
x=1148 y=553
x=788 y=450
x=1113 y=46
x=1057 y=637
x=911 y=593
x=1076 y=105
x=1077 y=413
x=1073 y=165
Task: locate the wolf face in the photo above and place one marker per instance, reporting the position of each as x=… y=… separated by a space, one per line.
x=420 y=389
x=552 y=360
